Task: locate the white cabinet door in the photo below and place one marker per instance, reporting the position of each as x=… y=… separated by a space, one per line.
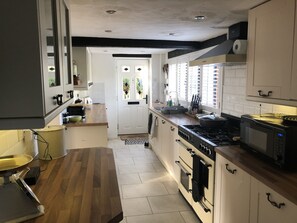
x=232 y=193
x=267 y=206
x=293 y=92
x=155 y=140
x=270 y=48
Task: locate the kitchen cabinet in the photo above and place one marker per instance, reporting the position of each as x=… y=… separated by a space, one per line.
x=35 y=61
x=91 y=131
x=82 y=60
x=86 y=137
x=232 y=193
x=164 y=145
x=269 y=206
x=270 y=49
x=169 y=149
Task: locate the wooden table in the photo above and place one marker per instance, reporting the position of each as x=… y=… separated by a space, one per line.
x=80 y=187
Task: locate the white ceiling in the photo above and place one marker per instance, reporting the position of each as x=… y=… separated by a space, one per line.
x=155 y=19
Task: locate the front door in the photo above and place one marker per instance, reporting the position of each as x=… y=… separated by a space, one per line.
x=132 y=96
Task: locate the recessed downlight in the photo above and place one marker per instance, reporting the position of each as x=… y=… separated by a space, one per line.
x=200 y=17
x=171 y=34
x=111 y=11
x=108 y=31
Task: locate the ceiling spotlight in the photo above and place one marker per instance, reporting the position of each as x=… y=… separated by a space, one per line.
x=200 y=17
x=171 y=34
x=111 y=11
x=108 y=31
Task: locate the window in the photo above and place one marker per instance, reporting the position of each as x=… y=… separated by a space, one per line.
x=172 y=78
x=201 y=80
x=210 y=86
x=182 y=75
x=194 y=82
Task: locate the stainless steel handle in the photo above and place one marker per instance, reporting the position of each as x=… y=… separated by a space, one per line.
x=182 y=168
x=205 y=164
x=183 y=145
x=206 y=209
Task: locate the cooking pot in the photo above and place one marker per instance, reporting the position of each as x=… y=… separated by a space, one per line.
x=212 y=121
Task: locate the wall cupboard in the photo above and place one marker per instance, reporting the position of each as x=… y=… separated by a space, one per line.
x=272 y=50
x=36 y=62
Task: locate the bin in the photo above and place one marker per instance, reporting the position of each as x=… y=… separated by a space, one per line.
x=50 y=142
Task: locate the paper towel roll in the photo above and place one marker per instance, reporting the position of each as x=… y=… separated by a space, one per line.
x=239 y=46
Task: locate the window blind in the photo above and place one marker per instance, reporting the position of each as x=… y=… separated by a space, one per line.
x=210 y=85
x=182 y=74
x=194 y=82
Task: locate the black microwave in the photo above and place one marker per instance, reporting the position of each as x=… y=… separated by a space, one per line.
x=270 y=138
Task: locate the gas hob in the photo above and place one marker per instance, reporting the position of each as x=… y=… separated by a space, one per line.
x=206 y=139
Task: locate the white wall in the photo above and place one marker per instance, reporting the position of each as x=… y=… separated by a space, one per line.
x=104 y=75
x=156 y=78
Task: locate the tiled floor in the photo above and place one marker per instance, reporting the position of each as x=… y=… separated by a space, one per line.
x=149 y=194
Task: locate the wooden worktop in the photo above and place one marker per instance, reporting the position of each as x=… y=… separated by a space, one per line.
x=283 y=182
x=176 y=119
x=95 y=115
x=80 y=187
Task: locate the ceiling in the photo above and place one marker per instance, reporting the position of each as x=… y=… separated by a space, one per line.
x=157 y=19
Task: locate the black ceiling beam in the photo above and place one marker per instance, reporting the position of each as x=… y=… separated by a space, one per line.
x=137 y=43
x=133 y=55
x=204 y=44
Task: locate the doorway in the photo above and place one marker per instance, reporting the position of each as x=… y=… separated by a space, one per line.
x=132 y=96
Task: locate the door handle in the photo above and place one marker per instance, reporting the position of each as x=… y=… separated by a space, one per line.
x=146 y=98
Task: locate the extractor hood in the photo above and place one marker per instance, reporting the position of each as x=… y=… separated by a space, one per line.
x=223 y=53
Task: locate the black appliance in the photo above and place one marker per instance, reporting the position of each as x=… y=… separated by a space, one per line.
x=76 y=110
x=205 y=139
x=271 y=138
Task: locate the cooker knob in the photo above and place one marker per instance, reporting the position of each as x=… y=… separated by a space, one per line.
x=209 y=152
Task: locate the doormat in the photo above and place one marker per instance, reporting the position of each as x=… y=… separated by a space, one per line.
x=134 y=139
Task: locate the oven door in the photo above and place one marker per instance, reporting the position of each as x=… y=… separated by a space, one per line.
x=185 y=184
x=205 y=173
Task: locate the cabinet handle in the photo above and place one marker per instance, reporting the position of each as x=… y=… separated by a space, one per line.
x=70 y=93
x=172 y=128
x=264 y=95
x=182 y=168
x=273 y=203
x=184 y=146
x=59 y=99
x=163 y=122
x=230 y=170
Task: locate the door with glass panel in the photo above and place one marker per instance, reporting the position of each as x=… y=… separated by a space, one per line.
x=132 y=96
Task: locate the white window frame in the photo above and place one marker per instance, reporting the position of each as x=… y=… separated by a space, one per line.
x=187 y=100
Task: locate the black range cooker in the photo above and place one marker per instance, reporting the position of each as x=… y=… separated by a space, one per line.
x=205 y=139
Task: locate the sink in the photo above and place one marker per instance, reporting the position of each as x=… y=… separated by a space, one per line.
x=174 y=110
